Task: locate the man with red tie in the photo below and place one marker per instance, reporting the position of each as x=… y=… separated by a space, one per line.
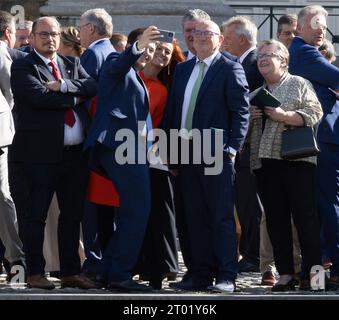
x=52 y=122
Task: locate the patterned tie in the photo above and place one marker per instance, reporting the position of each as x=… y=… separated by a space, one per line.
x=69 y=117
x=194 y=96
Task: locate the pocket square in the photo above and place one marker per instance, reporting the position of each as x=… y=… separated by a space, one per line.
x=118 y=114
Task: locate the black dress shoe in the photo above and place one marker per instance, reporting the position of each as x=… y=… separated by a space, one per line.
x=156 y=282
x=245 y=265
x=129 y=285
x=190 y=286
x=289 y=286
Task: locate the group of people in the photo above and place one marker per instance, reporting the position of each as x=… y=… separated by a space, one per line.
x=73 y=91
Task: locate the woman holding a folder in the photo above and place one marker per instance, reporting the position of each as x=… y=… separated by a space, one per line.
x=287 y=187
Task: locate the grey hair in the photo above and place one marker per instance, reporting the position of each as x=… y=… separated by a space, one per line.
x=243 y=26
x=195 y=14
x=315 y=9
x=280 y=47
x=101 y=19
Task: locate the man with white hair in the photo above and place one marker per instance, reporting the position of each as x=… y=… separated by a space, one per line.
x=306 y=61
x=23 y=33
x=96 y=28
x=240 y=39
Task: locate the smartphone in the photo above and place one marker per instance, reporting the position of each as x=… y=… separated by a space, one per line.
x=166 y=35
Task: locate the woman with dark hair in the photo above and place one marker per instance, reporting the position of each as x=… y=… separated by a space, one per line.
x=159 y=256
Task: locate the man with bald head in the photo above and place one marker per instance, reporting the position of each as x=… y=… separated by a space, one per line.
x=209 y=92
x=51 y=126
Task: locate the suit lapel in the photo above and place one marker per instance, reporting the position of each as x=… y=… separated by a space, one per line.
x=211 y=73
x=66 y=72
x=42 y=68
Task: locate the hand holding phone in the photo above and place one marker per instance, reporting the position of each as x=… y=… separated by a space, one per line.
x=166 y=35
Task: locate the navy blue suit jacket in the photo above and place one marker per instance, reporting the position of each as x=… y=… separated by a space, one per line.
x=40 y=125
x=307 y=62
x=93 y=58
x=122 y=99
x=222 y=101
x=253 y=76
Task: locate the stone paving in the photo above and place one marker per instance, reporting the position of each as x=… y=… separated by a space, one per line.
x=248 y=288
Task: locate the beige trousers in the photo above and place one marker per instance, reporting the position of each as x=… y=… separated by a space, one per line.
x=50 y=248
x=266 y=250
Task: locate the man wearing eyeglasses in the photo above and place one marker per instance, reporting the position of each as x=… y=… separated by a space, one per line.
x=306 y=61
x=51 y=127
x=209 y=92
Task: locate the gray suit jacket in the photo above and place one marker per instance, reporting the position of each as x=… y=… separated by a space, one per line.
x=6 y=98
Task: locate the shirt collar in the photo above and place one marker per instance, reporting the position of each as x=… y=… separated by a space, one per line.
x=45 y=60
x=190 y=55
x=245 y=54
x=208 y=61
x=95 y=42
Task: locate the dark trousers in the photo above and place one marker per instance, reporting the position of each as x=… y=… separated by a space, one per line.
x=105 y=224
x=209 y=201
x=90 y=238
x=69 y=180
x=182 y=224
x=328 y=200
x=159 y=253
x=133 y=186
x=288 y=188
x=249 y=209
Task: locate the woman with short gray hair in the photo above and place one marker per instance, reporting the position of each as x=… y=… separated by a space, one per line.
x=286 y=187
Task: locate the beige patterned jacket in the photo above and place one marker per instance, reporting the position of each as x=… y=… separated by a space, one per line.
x=295 y=94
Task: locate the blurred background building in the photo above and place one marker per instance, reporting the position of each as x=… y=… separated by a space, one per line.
x=166 y=14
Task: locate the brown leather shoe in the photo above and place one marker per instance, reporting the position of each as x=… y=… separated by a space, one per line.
x=268 y=279
x=40 y=282
x=77 y=281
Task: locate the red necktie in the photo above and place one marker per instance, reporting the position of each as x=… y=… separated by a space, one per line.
x=69 y=117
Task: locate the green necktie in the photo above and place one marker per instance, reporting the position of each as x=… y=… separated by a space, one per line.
x=194 y=96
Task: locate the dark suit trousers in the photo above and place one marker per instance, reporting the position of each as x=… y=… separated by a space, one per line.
x=248 y=207
x=159 y=253
x=68 y=179
x=209 y=201
x=181 y=223
x=328 y=200
x=132 y=182
x=288 y=188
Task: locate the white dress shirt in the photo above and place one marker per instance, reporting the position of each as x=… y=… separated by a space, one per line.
x=190 y=84
x=245 y=54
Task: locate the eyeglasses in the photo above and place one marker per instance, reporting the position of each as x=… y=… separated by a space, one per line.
x=45 y=35
x=268 y=55
x=207 y=34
